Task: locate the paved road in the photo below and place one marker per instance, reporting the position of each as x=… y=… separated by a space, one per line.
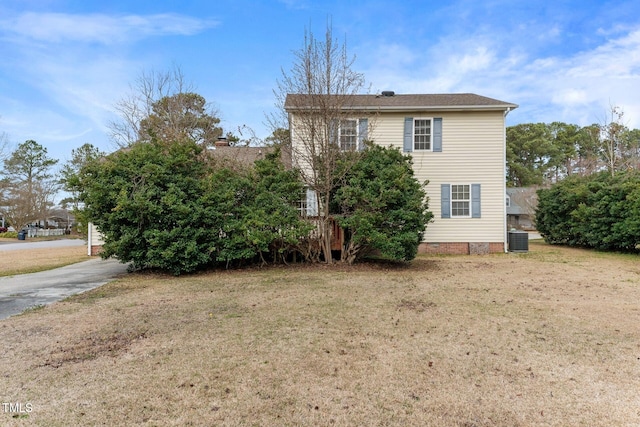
x=17 y=293
x=29 y=244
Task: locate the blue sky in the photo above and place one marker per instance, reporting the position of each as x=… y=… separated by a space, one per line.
x=64 y=64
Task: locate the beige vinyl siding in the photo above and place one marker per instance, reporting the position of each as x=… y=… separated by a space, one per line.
x=301 y=144
x=94 y=238
x=472 y=153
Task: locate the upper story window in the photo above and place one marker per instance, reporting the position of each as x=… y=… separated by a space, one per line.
x=348 y=135
x=422 y=134
x=460 y=200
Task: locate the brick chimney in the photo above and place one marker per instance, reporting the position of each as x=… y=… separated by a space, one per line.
x=222 y=142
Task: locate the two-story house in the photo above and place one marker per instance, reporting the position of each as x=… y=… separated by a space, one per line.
x=458 y=144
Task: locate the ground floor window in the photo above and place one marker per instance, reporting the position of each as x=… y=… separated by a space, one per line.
x=460 y=200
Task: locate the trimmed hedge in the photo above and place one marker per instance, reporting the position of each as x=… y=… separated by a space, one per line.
x=599 y=211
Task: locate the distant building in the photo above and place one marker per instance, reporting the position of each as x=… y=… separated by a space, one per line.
x=521 y=208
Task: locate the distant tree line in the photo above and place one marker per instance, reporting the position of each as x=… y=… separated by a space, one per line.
x=28 y=185
x=540 y=154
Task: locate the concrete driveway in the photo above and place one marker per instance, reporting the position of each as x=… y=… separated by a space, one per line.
x=17 y=293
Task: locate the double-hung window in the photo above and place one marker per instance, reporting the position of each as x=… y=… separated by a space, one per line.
x=460 y=201
x=348 y=135
x=307 y=205
x=421 y=134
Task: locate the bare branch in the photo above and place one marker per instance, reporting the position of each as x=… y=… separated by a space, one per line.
x=612 y=130
x=137 y=105
x=313 y=100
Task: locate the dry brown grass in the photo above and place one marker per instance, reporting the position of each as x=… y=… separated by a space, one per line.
x=549 y=338
x=22 y=261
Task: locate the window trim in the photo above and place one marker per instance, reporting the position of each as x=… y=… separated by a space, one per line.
x=475 y=206
x=362 y=132
x=468 y=201
x=413 y=135
x=357 y=134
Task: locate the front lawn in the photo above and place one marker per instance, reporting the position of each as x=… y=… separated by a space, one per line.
x=549 y=337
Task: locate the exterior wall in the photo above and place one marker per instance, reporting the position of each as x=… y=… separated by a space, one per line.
x=301 y=142
x=473 y=152
x=94 y=240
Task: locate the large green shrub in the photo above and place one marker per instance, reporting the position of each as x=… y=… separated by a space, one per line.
x=382 y=206
x=146 y=201
x=598 y=211
x=165 y=206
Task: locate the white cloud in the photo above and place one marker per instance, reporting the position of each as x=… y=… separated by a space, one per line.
x=570 y=97
x=49 y=127
x=295 y=4
x=76 y=69
x=100 y=28
x=618 y=58
x=576 y=87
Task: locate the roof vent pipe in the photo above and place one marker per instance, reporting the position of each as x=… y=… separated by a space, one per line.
x=388 y=93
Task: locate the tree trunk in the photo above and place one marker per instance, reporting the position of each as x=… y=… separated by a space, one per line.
x=350 y=253
x=327 y=230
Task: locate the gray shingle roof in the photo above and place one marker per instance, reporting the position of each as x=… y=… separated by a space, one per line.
x=408 y=102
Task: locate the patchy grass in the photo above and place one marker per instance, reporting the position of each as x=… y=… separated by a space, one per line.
x=33 y=308
x=547 y=338
x=24 y=261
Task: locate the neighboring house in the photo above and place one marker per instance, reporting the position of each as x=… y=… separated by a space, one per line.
x=94 y=240
x=521 y=208
x=458 y=144
x=59 y=218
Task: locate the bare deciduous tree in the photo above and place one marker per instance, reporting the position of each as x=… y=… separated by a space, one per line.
x=612 y=130
x=26 y=204
x=316 y=95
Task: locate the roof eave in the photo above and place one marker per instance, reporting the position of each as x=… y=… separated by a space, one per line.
x=405 y=108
